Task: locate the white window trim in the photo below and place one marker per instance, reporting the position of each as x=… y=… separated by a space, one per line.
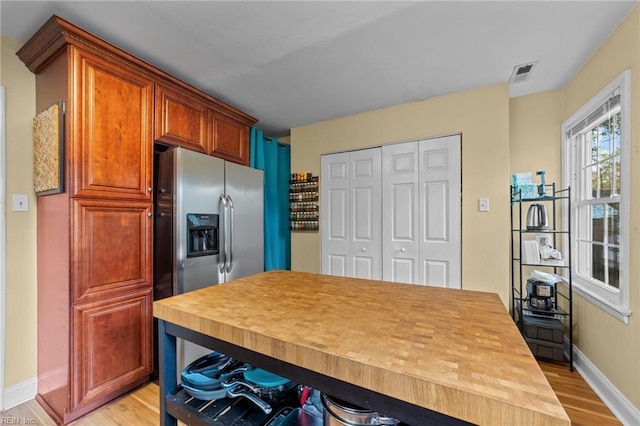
x=615 y=303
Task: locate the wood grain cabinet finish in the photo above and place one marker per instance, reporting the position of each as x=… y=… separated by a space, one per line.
x=112 y=248
x=112 y=349
x=180 y=119
x=112 y=134
x=95 y=238
x=230 y=139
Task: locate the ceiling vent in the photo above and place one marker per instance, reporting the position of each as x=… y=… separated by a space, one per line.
x=522 y=72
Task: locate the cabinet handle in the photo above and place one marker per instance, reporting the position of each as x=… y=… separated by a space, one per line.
x=150 y=189
x=363 y=249
x=150 y=214
x=402 y=250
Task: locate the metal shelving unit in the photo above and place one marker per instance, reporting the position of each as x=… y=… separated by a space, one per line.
x=562 y=308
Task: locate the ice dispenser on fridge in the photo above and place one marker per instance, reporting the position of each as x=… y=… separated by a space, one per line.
x=202 y=234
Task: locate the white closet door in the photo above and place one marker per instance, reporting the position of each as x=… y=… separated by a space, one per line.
x=440 y=212
x=335 y=214
x=366 y=217
x=400 y=213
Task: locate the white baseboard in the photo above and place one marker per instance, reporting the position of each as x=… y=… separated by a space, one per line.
x=624 y=410
x=22 y=392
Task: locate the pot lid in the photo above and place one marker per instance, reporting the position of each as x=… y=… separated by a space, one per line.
x=264 y=378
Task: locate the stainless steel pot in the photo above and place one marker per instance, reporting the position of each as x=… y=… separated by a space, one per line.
x=341 y=413
x=537 y=218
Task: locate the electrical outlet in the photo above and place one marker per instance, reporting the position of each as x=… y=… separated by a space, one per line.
x=20 y=202
x=483 y=204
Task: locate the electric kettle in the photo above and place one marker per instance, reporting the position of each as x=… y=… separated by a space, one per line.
x=537 y=218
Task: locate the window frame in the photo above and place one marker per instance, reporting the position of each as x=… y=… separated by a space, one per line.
x=613 y=301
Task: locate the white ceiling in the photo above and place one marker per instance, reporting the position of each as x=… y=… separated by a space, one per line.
x=294 y=63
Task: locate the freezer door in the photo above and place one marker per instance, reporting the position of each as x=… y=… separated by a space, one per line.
x=244 y=191
x=199 y=187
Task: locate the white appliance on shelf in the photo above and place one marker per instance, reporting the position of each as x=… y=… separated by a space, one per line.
x=208 y=227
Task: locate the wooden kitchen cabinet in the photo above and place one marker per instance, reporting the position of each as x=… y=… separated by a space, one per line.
x=180 y=119
x=113 y=345
x=184 y=118
x=230 y=139
x=111 y=129
x=112 y=248
x=94 y=239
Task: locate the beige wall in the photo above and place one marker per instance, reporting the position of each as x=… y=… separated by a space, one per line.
x=20 y=316
x=482 y=116
x=611 y=345
x=534 y=134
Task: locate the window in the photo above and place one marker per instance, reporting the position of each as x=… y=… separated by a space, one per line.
x=596 y=166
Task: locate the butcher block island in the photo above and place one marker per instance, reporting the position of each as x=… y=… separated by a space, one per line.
x=423 y=355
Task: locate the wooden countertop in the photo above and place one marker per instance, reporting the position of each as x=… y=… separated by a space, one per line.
x=457 y=352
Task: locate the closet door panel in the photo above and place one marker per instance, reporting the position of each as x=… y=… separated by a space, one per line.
x=366 y=217
x=337 y=265
x=335 y=214
x=435 y=273
x=436 y=207
x=401 y=271
x=440 y=212
x=400 y=212
x=338 y=215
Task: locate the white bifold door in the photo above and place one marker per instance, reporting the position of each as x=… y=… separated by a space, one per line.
x=421 y=211
x=394 y=213
x=351 y=216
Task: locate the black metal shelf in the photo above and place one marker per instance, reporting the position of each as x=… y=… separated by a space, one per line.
x=542 y=312
x=540 y=231
x=520 y=307
x=545 y=264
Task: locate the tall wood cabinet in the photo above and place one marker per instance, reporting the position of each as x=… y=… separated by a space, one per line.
x=95 y=247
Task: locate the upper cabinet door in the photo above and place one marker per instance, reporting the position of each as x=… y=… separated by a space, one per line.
x=180 y=119
x=111 y=143
x=230 y=139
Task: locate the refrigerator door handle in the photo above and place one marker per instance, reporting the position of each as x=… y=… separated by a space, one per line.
x=230 y=235
x=223 y=254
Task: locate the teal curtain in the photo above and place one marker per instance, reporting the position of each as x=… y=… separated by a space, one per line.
x=274 y=158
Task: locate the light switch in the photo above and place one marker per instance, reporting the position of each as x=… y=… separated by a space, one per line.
x=483 y=204
x=20 y=202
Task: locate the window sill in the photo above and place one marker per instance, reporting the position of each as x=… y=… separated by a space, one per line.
x=613 y=310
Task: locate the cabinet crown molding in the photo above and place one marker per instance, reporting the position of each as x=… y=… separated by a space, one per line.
x=57 y=34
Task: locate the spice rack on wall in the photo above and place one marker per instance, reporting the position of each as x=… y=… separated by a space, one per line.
x=303 y=202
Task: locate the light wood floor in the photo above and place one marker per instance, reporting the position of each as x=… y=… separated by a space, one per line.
x=140 y=407
x=580 y=402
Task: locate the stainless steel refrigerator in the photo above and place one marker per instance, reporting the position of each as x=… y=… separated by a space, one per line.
x=208 y=226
